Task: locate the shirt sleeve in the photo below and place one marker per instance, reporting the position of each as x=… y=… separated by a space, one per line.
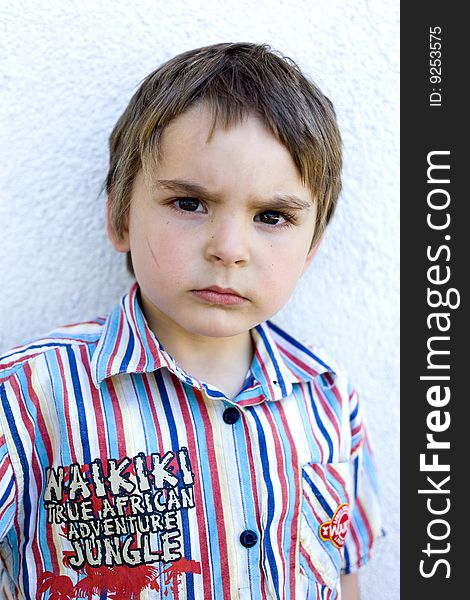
x=7 y=488
x=365 y=524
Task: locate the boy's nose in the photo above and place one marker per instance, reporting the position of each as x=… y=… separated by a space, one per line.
x=227 y=243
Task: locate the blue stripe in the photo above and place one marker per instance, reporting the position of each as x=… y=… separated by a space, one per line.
x=142 y=330
x=207 y=491
x=305 y=420
x=25 y=468
x=297 y=344
x=39 y=346
x=106 y=342
x=3 y=499
x=145 y=413
x=279 y=376
x=356 y=474
x=59 y=396
x=10 y=543
x=130 y=348
x=166 y=403
x=44 y=461
x=346 y=559
x=322 y=428
x=353 y=415
x=78 y=397
x=287 y=453
x=247 y=497
x=270 y=555
x=326 y=507
x=213 y=393
x=109 y=418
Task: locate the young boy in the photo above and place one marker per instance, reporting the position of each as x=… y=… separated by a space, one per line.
x=184 y=446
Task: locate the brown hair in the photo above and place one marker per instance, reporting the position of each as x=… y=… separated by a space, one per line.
x=234 y=79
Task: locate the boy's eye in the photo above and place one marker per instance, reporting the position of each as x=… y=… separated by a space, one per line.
x=272 y=217
x=188 y=204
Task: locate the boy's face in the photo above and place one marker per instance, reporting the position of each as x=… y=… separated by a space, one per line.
x=221 y=233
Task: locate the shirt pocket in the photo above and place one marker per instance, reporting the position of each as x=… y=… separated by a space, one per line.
x=326 y=497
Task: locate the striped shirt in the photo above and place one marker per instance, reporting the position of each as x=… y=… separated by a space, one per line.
x=123 y=477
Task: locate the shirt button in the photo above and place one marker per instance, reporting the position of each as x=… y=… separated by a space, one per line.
x=248 y=538
x=231 y=415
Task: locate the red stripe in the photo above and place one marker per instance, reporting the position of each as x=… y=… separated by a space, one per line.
x=281 y=474
x=39 y=475
x=299 y=363
x=156 y=420
x=35 y=468
x=357 y=545
x=254 y=491
x=306 y=499
x=5 y=508
x=365 y=520
x=68 y=422
x=356 y=430
x=4 y=466
x=311 y=419
x=206 y=563
x=218 y=505
x=118 y=420
x=265 y=372
x=22 y=360
x=116 y=345
x=132 y=322
x=297 y=500
x=41 y=425
x=355 y=448
x=25 y=358
x=311 y=566
x=326 y=407
x=254 y=485
x=320 y=472
x=152 y=346
x=253 y=401
x=97 y=406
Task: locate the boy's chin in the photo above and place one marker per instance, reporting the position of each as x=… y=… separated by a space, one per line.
x=220 y=330
x=223 y=323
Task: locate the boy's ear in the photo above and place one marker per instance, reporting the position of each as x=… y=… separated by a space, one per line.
x=121 y=244
x=311 y=253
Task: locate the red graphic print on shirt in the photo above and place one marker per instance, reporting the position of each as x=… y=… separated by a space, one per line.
x=123 y=520
x=336 y=529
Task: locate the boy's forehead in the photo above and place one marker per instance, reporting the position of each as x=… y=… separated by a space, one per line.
x=243 y=155
x=201 y=122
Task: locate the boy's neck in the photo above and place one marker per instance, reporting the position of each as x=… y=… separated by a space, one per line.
x=220 y=362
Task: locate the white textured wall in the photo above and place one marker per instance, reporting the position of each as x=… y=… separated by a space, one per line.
x=67 y=70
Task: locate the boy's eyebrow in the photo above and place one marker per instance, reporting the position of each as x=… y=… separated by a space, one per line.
x=281 y=201
x=182 y=186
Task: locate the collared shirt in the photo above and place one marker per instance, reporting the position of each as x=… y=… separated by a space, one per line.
x=123 y=477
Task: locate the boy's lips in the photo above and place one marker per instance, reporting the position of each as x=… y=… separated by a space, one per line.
x=219 y=295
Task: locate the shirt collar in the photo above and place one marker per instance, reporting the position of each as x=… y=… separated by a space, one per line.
x=280 y=360
x=127 y=345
